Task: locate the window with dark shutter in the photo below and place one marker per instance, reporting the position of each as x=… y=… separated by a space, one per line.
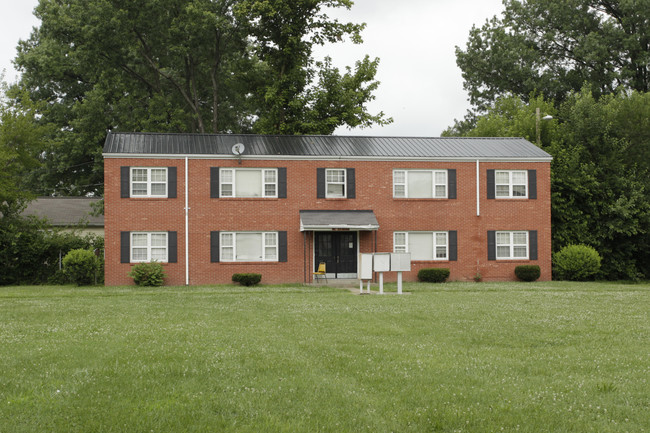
x=171 y=182
x=492 y=245
x=125 y=182
x=282 y=182
x=282 y=246
x=451 y=183
x=214 y=182
x=214 y=247
x=532 y=245
x=125 y=247
x=320 y=183
x=351 y=181
x=172 y=247
x=453 y=245
x=490 y=184
x=532 y=184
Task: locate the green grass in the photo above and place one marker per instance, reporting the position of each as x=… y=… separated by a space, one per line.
x=454 y=357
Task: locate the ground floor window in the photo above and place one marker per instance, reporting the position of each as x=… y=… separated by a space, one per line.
x=512 y=245
x=422 y=245
x=149 y=246
x=248 y=246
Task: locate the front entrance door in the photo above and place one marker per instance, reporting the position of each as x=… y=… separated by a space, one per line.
x=339 y=252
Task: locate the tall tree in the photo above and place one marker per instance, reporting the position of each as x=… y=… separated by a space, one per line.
x=599 y=174
x=552 y=47
x=171 y=66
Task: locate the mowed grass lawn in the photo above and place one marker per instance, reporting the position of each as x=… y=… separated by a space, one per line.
x=456 y=357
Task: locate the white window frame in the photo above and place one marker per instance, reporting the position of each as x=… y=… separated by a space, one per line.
x=405 y=183
x=404 y=247
x=148 y=182
x=270 y=241
x=328 y=182
x=233 y=182
x=511 y=245
x=510 y=184
x=148 y=247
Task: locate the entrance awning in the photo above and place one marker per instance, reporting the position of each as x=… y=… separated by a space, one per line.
x=324 y=220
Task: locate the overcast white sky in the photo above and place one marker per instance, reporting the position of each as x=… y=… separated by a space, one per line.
x=421 y=86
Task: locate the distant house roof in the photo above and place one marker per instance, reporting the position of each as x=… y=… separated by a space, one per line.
x=124 y=144
x=65 y=211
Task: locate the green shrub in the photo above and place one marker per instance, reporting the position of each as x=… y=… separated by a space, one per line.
x=527 y=272
x=80 y=267
x=247 y=279
x=576 y=262
x=433 y=275
x=148 y=274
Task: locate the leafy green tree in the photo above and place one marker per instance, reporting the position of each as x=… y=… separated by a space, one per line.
x=599 y=174
x=552 y=47
x=183 y=66
x=20 y=141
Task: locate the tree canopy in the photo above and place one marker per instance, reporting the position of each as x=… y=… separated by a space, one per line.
x=185 y=66
x=553 y=47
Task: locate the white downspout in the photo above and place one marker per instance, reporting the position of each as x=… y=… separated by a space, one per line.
x=478 y=192
x=187 y=250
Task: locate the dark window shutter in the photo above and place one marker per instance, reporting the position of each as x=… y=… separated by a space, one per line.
x=490 y=184
x=125 y=247
x=214 y=247
x=282 y=182
x=282 y=246
x=451 y=183
x=172 y=247
x=320 y=183
x=532 y=245
x=214 y=182
x=532 y=184
x=172 y=182
x=351 y=187
x=125 y=182
x=453 y=245
x=492 y=245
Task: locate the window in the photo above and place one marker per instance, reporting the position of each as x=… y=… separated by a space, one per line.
x=512 y=245
x=249 y=182
x=420 y=183
x=422 y=245
x=249 y=246
x=149 y=246
x=511 y=184
x=148 y=182
x=335 y=183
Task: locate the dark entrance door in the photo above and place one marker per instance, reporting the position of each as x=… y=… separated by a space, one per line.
x=339 y=252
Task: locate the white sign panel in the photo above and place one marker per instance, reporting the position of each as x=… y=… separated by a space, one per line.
x=365 y=266
x=382 y=262
x=400 y=262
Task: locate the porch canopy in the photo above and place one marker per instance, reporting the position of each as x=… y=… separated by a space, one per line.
x=324 y=220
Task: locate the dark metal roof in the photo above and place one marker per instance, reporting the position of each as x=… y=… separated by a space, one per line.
x=338 y=219
x=65 y=211
x=320 y=146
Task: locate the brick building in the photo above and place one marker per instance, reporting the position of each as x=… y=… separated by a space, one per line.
x=211 y=205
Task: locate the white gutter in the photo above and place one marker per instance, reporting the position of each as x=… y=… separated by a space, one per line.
x=187 y=250
x=478 y=191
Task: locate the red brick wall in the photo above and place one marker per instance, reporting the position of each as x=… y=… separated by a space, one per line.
x=373 y=191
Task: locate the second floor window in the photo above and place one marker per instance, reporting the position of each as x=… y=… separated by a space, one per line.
x=420 y=183
x=249 y=182
x=335 y=182
x=511 y=183
x=148 y=182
